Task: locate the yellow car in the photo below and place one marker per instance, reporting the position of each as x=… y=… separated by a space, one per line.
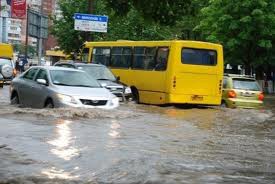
x=241 y=91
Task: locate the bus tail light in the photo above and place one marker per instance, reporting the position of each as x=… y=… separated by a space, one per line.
x=232 y=94
x=261 y=97
x=174 y=82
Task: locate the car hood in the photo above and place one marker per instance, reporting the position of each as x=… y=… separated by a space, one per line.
x=110 y=83
x=84 y=92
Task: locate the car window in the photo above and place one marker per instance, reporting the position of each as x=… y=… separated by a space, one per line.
x=65 y=65
x=225 y=81
x=98 y=72
x=5 y=62
x=42 y=74
x=30 y=74
x=72 y=78
x=245 y=84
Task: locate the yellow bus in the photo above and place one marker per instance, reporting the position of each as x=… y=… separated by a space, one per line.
x=163 y=72
x=6 y=51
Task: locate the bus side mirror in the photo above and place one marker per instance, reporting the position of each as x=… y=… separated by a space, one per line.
x=118 y=78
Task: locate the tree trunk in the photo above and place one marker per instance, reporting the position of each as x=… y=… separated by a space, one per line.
x=247 y=68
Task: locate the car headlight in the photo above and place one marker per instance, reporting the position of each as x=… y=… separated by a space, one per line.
x=128 y=90
x=115 y=101
x=66 y=99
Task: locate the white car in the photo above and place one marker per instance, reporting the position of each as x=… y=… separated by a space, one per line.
x=47 y=86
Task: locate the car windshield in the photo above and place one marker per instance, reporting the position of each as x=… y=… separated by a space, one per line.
x=98 y=72
x=5 y=62
x=246 y=84
x=73 y=78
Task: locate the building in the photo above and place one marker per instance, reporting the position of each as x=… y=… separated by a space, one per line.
x=14 y=28
x=50 y=7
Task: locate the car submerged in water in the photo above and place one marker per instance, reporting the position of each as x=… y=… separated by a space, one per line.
x=103 y=75
x=241 y=91
x=51 y=87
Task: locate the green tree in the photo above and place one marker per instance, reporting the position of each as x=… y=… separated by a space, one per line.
x=165 y=12
x=131 y=26
x=63 y=29
x=245 y=28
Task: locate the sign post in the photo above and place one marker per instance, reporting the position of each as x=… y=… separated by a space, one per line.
x=92 y=23
x=37 y=27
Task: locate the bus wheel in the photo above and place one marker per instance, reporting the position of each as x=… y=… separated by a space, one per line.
x=135 y=95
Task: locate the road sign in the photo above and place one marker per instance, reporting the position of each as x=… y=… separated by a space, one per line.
x=37 y=22
x=88 y=22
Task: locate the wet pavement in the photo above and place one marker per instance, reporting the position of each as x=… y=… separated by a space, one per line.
x=137 y=144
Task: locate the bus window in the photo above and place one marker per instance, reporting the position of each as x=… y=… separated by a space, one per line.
x=199 y=57
x=144 y=58
x=162 y=58
x=121 y=57
x=101 y=55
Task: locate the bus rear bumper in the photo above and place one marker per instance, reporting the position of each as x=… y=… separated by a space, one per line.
x=193 y=99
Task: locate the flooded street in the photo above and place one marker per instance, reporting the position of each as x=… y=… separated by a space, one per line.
x=137 y=144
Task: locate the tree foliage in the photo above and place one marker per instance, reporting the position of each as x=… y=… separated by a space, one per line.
x=131 y=26
x=245 y=28
x=166 y=12
x=63 y=29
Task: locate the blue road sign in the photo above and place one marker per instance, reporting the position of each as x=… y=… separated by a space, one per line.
x=88 y=22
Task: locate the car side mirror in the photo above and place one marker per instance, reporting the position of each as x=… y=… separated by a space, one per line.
x=118 y=78
x=104 y=85
x=42 y=82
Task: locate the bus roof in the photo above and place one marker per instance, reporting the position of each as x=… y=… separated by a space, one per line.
x=147 y=43
x=55 y=53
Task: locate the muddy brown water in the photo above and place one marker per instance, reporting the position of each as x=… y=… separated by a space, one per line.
x=137 y=144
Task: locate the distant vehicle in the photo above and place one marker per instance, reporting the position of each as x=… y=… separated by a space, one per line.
x=50 y=87
x=103 y=75
x=7 y=70
x=163 y=72
x=241 y=91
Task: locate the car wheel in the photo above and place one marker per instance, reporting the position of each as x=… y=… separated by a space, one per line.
x=49 y=104
x=15 y=99
x=223 y=104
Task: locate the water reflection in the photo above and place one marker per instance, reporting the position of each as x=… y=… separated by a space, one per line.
x=58 y=173
x=114 y=134
x=63 y=143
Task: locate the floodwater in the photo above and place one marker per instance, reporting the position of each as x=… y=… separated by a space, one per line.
x=137 y=144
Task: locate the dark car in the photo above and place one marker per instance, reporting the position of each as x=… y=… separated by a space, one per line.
x=6 y=70
x=103 y=75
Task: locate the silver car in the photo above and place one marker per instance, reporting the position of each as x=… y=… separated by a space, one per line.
x=50 y=87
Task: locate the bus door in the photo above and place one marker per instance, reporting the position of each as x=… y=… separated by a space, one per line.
x=149 y=65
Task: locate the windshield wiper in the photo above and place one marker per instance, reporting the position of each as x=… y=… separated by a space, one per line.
x=62 y=84
x=86 y=86
x=103 y=79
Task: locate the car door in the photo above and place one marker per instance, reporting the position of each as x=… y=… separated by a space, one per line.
x=40 y=91
x=25 y=87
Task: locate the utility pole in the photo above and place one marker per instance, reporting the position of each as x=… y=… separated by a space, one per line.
x=27 y=34
x=40 y=41
x=91 y=4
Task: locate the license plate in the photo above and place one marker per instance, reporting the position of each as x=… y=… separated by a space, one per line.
x=196 y=98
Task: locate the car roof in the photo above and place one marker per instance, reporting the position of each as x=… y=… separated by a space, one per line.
x=239 y=76
x=89 y=64
x=71 y=62
x=56 y=68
